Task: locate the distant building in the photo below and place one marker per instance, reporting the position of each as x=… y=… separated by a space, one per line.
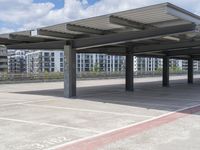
x=145 y=64
x=185 y=65
x=17 y=61
x=3 y=59
x=45 y=61
x=100 y=62
x=53 y=61
x=176 y=63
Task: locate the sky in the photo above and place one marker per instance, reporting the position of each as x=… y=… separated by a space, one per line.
x=18 y=15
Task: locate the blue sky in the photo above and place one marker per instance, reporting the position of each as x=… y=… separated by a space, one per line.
x=18 y=15
x=92 y=1
x=58 y=3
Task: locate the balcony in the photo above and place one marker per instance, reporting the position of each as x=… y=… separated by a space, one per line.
x=3 y=54
x=3 y=66
x=3 y=60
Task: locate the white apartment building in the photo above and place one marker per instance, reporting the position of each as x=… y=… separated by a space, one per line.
x=17 y=61
x=145 y=64
x=53 y=61
x=3 y=59
x=44 y=61
x=101 y=62
x=183 y=64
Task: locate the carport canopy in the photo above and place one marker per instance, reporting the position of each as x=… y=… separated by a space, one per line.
x=162 y=30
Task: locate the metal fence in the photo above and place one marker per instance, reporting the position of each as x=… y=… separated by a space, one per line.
x=84 y=75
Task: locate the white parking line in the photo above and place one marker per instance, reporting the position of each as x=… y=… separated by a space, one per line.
x=141 y=103
x=110 y=131
x=23 y=102
x=47 y=124
x=89 y=110
x=167 y=98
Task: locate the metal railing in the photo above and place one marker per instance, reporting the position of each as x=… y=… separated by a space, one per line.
x=83 y=75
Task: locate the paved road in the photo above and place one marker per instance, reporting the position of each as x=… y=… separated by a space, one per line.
x=35 y=116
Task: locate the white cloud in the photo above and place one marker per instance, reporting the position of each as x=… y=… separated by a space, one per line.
x=27 y=15
x=22 y=11
x=6 y=30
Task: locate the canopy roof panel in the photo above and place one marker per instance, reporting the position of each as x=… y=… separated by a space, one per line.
x=152 y=25
x=156 y=15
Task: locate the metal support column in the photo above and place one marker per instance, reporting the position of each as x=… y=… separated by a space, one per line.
x=129 y=71
x=165 y=71
x=190 y=71
x=69 y=71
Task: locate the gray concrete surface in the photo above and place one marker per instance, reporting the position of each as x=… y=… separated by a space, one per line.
x=36 y=116
x=182 y=134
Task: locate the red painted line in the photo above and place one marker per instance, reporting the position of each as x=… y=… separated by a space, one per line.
x=107 y=138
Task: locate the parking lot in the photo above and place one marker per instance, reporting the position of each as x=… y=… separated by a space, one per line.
x=36 y=116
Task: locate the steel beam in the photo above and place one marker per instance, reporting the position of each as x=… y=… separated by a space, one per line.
x=41 y=45
x=166 y=47
x=128 y=23
x=25 y=38
x=182 y=14
x=21 y=37
x=83 y=29
x=69 y=72
x=165 y=71
x=196 y=57
x=129 y=70
x=52 y=34
x=188 y=51
x=123 y=37
x=5 y=41
x=190 y=71
x=107 y=49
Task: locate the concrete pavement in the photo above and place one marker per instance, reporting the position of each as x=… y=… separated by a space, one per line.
x=36 y=116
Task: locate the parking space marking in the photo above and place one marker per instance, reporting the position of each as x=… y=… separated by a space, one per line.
x=88 y=110
x=168 y=98
x=102 y=139
x=149 y=96
x=48 y=124
x=143 y=103
x=23 y=102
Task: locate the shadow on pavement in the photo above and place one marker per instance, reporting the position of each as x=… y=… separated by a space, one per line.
x=149 y=95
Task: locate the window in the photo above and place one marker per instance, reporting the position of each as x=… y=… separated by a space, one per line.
x=46 y=59
x=46 y=69
x=46 y=54
x=46 y=64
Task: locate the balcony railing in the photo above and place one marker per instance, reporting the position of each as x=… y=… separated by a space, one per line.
x=3 y=66
x=3 y=60
x=47 y=76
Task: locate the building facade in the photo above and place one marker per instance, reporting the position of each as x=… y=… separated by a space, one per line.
x=17 y=61
x=3 y=59
x=45 y=61
x=53 y=61
x=145 y=64
x=184 y=66
x=100 y=62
